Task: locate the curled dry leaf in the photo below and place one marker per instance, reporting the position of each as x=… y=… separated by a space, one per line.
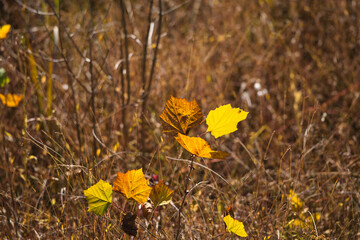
x=161 y=194
x=132 y=184
x=147 y=209
x=180 y=116
x=224 y=119
x=199 y=147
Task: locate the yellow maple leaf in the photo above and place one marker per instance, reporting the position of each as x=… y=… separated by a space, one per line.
x=235 y=226
x=180 y=116
x=4 y=30
x=11 y=100
x=99 y=197
x=132 y=184
x=224 y=119
x=161 y=194
x=199 y=147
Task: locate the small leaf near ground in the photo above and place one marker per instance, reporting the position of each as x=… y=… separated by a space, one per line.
x=224 y=119
x=199 y=147
x=235 y=226
x=4 y=30
x=128 y=224
x=160 y=194
x=132 y=184
x=180 y=116
x=296 y=202
x=99 y=197
x=11 y=100
x=3 y=78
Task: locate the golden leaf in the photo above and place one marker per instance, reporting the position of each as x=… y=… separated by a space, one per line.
x=4 y=30
x=161 y=194
x=11 y=100
x=180 y=116
x=224 y=119
x=235 y=226
x=132 y=185
x=199 y=147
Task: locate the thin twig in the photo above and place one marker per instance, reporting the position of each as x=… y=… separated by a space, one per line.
x=187 y=180
x=67 y=33
x=203 y=166
x=34 y=10
x=70 y=75
x=147 y=86
x=92 y=80
x=155 y=51
x=145 y=49
x=317 y=234
x=126 y=51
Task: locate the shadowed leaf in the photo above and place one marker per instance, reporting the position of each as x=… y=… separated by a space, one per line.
x=161 y=194
x=128 y=224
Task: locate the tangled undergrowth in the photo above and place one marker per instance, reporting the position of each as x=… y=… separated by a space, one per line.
x=83 y=85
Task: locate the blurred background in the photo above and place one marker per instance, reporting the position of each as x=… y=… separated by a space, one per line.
x=96 y=75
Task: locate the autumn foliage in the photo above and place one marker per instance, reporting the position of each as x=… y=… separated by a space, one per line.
x=177 y=119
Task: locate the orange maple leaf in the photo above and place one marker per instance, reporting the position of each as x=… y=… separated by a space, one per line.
x=180 y=116
x=199 y=147
x=132 y=184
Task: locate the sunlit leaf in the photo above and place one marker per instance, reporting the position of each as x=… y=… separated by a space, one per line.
x=296 y=202
x=224 y=119
x=180 y=116
x=235 y=226
x=99 y=197
x=199 y=147
x=4 y=30
x=3 y=78
x=11 y=100
x=161 y=194
x=132 y=185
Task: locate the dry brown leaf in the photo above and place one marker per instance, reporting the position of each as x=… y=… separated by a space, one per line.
x=180 y=116
x=161 y=194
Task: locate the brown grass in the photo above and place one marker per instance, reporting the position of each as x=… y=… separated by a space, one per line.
x=294 y=65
